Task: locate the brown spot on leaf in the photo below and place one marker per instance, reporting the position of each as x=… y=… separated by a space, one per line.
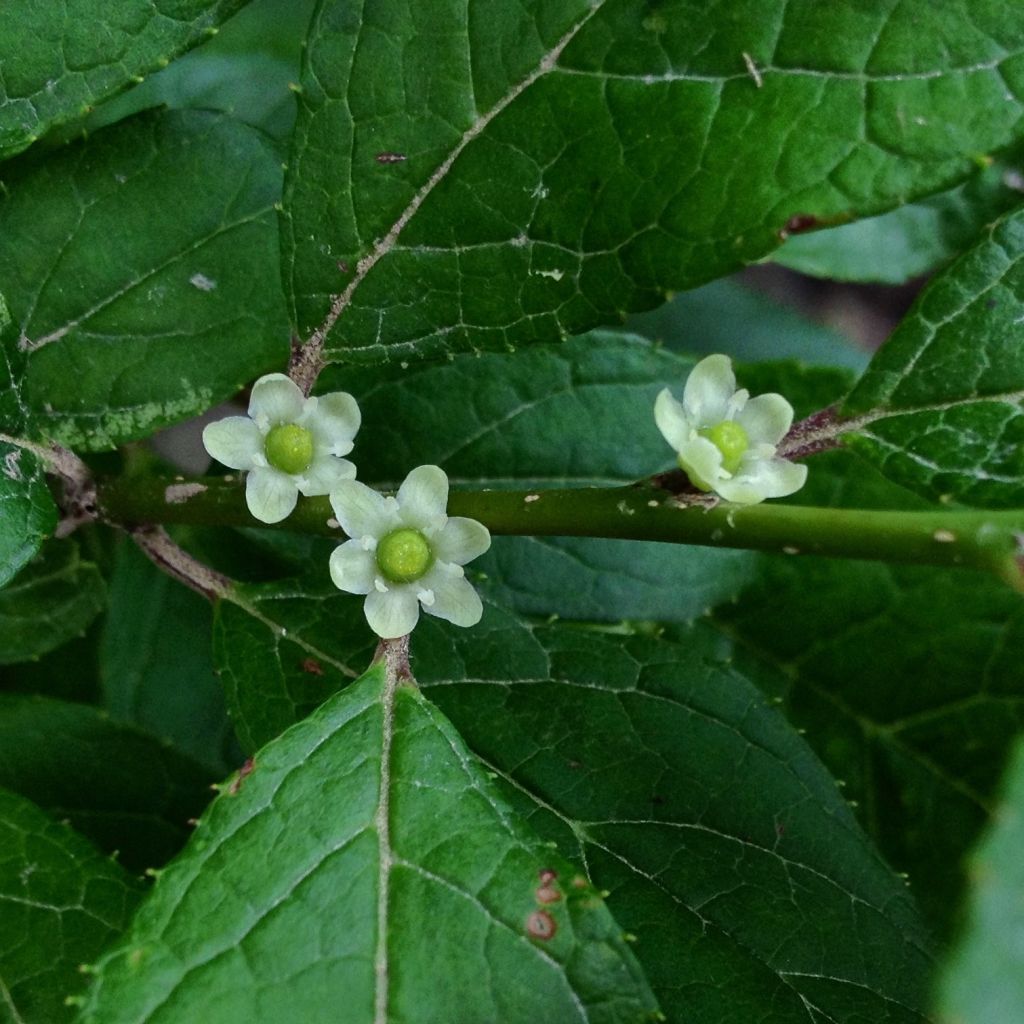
x=312 y=667
x=548 y=894
x=541 y=925
x=799 y=223
x=390 y=158
x=547 y=875
x=243 y=773
x=343 y=266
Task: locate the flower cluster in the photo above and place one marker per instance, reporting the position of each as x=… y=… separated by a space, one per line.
x=726 y=441
x=405 y=552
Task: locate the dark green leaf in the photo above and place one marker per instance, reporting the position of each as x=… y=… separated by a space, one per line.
x=52 y=600
x=61 y=58
x=122 y=788
x=638 y=757
x=157 y=663
x=727 y=316
x=246 y=70
x=910 y=684
x=27 y=512
x=71 y=672
x=911 y=240
x=984 y=978
x=283 y=650
x=939 y=408
x=141 y=269
x=482 y=176
x=365 y=851
x=725 y=845
x=61 y=903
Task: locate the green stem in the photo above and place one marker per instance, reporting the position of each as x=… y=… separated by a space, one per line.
x=982 y=540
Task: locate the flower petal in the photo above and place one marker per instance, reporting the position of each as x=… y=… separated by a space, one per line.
x=361 y=511
x=275 y=399
x=671 y=419
x=334 y=420
x=325 y=474
x=702 y=461
x=423 y=497
x=709 y=389
x=454 y=598
x=766 y=419
x=461 y=540
x=392 y=613
x=270 y=494
x=765 y=478
x=236 y=442
x=353 y=568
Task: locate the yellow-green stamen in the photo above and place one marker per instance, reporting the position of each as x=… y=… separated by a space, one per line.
x=731 y=440
x=289 y=448
x=404 y=555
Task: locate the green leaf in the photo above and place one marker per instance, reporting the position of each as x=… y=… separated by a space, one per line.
x=61 y=903
x=485 y=177
x=157 y=663
x=246 y=70
x=123 y=789
x=282 y=649
x=727 y=316
x=366 y=848
x=53 y=600
x=637 y=756
x=984 y=978
x=180 y=309
x=726 y=847
x=60 y=59
x=27 y=512
x=939 y=408
x=910 y=685
x=911 y=240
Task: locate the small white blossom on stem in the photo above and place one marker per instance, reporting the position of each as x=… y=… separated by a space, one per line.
x=288 y=444
x=726 y=441
x=405 y=551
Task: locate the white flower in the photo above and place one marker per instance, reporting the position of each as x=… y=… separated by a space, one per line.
x=288 y=444
x=405 y=551
x=727 y=440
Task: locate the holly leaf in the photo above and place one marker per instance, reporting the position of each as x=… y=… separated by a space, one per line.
x=248 y=70
x=500 y=176
x=117 y=340
x=717 y=879
x=27 y=512
x=61 y=903
x=983 y=982
x=156 y=663
x=61 y=59
x=921 y=762
x=122 y=788
x=362 y=849
x=53 y=600
x=939 y=408
x=911 y=240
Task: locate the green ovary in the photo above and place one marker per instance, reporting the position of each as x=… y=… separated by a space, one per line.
x=289 y=448
x=731 y=440
x=404 y=555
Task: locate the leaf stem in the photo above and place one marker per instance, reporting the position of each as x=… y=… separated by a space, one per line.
x=991 y=541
